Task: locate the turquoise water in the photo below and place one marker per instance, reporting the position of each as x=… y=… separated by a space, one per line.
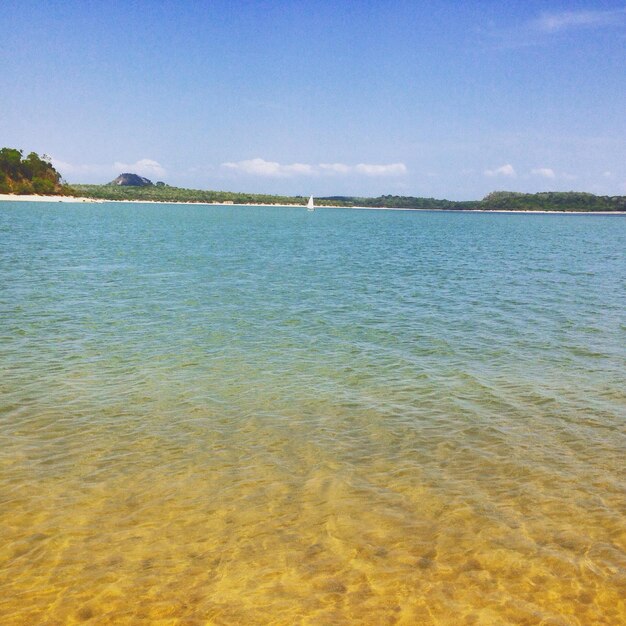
x=230 y=415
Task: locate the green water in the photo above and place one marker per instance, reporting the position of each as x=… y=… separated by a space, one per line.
x=229 y=415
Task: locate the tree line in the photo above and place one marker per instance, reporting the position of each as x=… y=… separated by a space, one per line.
x=499 y=200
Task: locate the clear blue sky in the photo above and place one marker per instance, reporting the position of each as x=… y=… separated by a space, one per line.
x=443 y=99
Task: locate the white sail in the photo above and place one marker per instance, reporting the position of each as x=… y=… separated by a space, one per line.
x=310 y=206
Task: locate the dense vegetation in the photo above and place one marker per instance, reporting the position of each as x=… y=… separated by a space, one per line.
x=400 y=202
x=29 y=175
x=552 y=201
x=499 y=200
x=165 y=193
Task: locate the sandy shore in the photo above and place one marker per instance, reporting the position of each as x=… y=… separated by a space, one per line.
x=33 y=198
x=75 y=199
x=13 y=198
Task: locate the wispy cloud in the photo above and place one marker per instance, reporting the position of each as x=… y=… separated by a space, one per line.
x=70 y=169
x=334 y=168
x=392 y=169
x=144 y=167
x=544 y=172
x=564 y=20
x=540 y=29
x=503 y=170
x=273 y=169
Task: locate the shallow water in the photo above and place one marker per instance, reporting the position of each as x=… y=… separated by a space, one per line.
x=236 y=415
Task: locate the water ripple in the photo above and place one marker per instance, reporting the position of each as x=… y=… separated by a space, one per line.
x=231 y=415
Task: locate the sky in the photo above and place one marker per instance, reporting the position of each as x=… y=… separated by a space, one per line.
x=437 y=99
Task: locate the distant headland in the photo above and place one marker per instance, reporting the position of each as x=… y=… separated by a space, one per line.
x=36 y=175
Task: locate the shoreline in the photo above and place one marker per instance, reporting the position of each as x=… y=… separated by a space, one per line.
x=8 y=197
x=5 y=197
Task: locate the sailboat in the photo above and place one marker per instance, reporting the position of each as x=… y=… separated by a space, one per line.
x=310 y=206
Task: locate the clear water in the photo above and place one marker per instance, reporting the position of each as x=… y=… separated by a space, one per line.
x=236 y=415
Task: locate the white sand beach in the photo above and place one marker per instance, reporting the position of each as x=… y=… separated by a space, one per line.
x=33 y=198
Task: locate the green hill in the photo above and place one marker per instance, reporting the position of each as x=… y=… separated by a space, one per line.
x=29 y=175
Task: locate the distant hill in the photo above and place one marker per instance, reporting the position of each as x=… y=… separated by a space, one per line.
x=30 y=175
x=131 y=180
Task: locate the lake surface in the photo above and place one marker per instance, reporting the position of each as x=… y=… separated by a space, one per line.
x=229 y=415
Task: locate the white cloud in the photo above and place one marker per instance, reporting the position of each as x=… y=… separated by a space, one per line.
x=607 y=174
x=334 y=168
x=393 y=169
x=273 y=169
x=69 y=169
x=555 y=22
x=300 y=169
x=143 y=167
x=544 y=172
x=503 y=170
x=548 y=24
